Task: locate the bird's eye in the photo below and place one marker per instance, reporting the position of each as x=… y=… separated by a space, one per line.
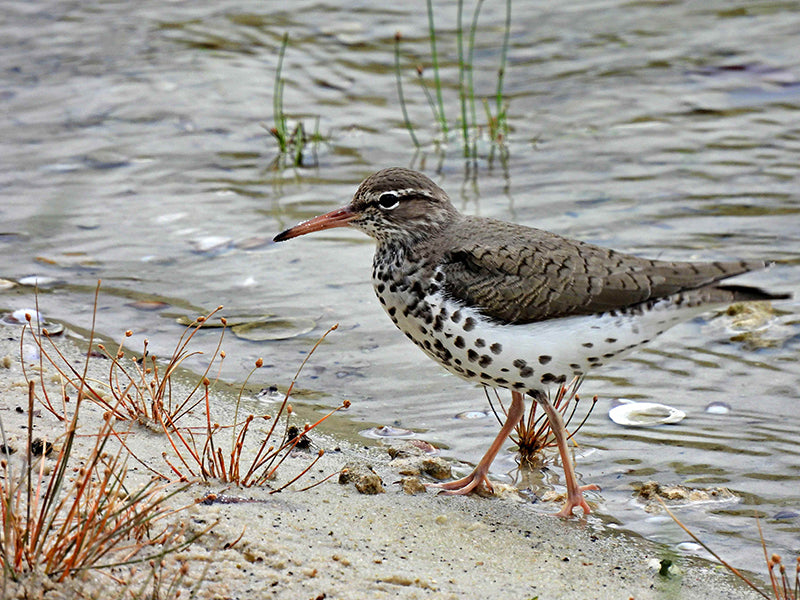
x=388 y=201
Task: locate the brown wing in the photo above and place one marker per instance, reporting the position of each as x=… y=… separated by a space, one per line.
x=519 y=274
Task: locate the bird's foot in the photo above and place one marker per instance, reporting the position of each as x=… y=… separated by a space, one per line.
x=476 y=481
x=576 y=499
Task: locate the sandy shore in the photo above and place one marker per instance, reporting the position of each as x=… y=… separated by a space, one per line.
x=332 y=541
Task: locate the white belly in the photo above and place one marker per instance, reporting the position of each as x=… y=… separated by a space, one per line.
x=530 y=356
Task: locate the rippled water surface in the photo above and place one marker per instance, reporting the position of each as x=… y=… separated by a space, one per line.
x=134 y=150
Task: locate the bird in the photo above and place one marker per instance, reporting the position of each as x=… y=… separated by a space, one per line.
x=509 y=306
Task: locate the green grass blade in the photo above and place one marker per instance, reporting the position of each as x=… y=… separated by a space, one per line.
x=470 y=73
x=277 y=98
x=462 y=92
x=435 y=59
x=428 y=96
x=503 y=60
x=400 y=94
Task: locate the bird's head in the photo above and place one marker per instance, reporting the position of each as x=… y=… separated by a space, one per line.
x=393 y=205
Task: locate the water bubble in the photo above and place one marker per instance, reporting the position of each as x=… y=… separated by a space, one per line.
x=718 y=408
x=387 y=431
x=644 y=414
x=212 y=245
x=38 y=280
x=148 y=305
x=469 y=415
x=689 y=547
x=20 y=317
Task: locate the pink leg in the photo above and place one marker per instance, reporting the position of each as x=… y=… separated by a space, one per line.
x=574 y=491
x=479 y=476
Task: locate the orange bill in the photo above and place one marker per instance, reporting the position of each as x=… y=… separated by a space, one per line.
x=336 y=218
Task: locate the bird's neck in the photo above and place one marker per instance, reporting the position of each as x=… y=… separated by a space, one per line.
x=390 y=257
x=398 y=261
x=416 y=253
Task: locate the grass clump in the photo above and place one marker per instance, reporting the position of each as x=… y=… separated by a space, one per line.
x=200 y=453
x=494 y=123
x=294 y=141
x=76 y=514
x=138 y=387
x=533 y=433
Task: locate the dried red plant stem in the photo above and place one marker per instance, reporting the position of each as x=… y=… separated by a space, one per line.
x=731 y=568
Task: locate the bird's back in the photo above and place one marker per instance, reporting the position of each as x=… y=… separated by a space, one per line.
x=518 y=274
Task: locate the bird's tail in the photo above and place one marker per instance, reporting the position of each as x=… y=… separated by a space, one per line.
x=743 y=293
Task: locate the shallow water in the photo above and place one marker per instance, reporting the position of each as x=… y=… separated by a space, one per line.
x=133 y=151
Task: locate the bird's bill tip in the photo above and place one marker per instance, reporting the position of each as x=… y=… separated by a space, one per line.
x=340 y=217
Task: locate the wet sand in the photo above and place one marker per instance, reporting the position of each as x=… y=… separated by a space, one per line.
x=333 y=542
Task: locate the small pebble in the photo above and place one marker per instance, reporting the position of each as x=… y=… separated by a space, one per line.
x=436 y=467
x=411 y=448
x=365 y=479
x=41 y=447
x=412 y=486
x=409 y=466
x=270 y=394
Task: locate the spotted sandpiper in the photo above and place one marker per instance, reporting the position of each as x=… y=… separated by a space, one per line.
x=509 y=306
